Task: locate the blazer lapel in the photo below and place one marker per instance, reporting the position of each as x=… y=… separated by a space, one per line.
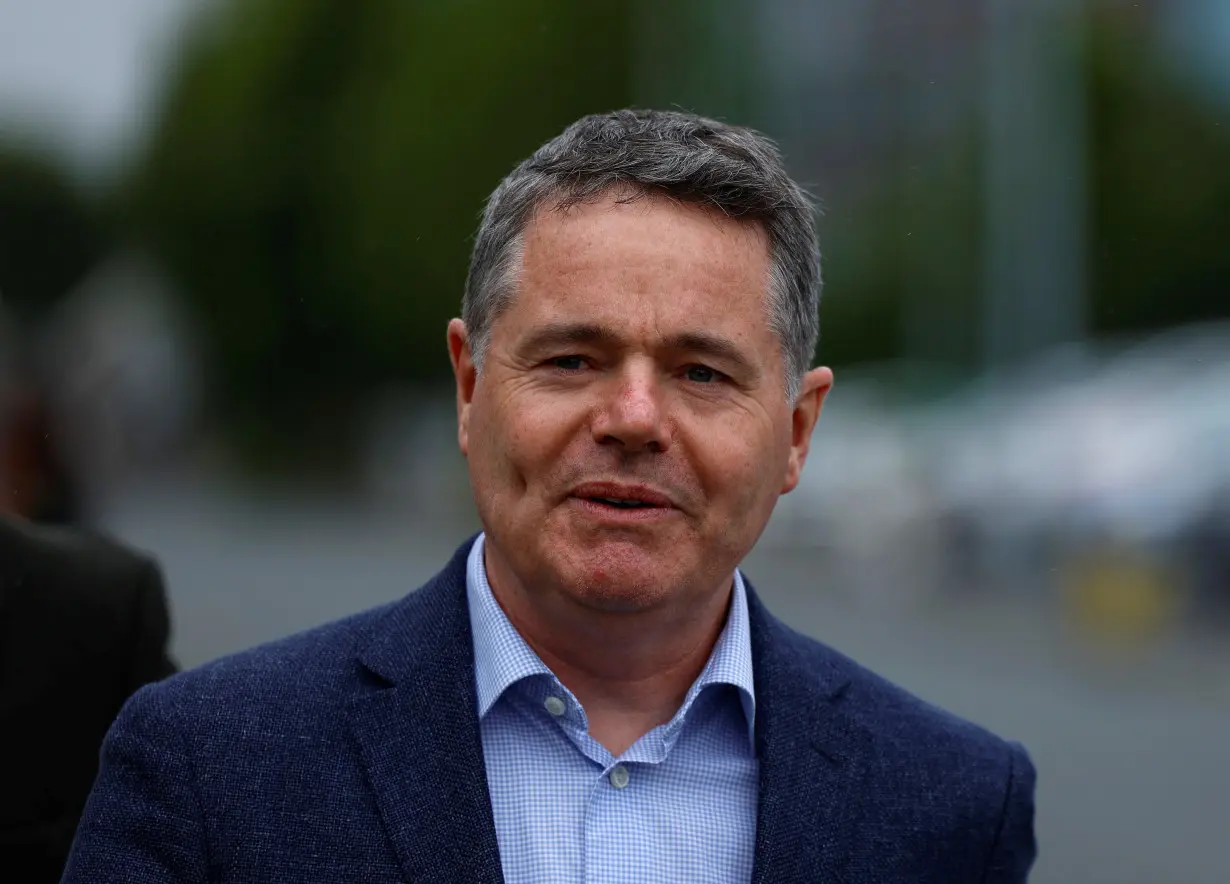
x=812 y=755
x=416 y=725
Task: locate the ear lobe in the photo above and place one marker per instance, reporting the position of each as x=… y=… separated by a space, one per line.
x=815 y=387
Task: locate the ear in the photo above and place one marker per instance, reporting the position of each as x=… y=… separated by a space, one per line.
x=466 y=377
x=816 y=385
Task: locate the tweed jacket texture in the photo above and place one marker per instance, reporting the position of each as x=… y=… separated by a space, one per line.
x=351 y=753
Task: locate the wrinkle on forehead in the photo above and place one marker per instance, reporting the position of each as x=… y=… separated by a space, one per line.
x=594 y=252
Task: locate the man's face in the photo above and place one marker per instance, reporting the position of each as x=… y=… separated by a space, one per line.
x=629 y=433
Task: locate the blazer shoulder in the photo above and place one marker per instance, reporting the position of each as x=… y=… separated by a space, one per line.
x=942 y=765
x=74 y=565
x=82 y=590
x=292 y=672
x=307 y=677
x=898 y=718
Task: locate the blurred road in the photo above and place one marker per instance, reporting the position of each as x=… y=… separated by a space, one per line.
x=1133 y=748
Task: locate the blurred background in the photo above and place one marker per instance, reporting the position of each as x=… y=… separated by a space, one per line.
x=231 y=234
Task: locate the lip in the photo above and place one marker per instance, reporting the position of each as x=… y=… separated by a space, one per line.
x=615 y=517
x=621 y=491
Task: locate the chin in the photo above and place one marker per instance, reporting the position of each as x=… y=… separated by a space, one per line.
x=620 y=579
x=623 y=598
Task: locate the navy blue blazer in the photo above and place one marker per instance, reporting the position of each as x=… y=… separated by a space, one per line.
x=352 y=753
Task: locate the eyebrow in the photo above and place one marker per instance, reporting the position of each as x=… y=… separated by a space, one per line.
x=562 y=334
x=717 y=346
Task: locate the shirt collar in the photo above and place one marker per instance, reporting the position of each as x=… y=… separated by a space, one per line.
x=502 y=657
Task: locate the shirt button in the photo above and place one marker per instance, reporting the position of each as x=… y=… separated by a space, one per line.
x=619 y=776
x=555 y=706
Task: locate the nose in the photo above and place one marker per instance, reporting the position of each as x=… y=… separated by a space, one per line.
x=631 y=414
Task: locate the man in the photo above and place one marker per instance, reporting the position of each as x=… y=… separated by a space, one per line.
x=83 y=624
x=590 y=690
x=39 y=483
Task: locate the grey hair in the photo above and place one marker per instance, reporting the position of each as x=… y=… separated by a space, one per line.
x=737 y=170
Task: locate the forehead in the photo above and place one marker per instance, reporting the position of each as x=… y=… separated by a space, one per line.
x=651 y=265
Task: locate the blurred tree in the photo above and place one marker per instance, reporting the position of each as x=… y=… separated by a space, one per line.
x=696 y=55
x=1159 y=203
x=315 y=178
x=51 y=234
x=1161 y=190
x=902 y=267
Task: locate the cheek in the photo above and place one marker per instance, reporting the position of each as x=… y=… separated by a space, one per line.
x=745 y=471
x=523 y=441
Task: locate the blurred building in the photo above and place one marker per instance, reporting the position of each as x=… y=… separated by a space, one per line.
x=123 y=371
x=852 y=85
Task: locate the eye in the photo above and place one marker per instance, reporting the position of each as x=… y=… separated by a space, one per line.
x=568 y=363
x=702 y=374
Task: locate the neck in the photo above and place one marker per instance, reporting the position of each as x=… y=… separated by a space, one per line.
x=629 y=670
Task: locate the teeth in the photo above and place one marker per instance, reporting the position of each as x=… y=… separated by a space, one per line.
x=623 y=504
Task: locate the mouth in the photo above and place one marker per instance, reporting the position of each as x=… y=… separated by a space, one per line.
x=620 y=504
x=621 y=498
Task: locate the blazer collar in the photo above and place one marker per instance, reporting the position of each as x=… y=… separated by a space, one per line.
x=415 y=720
x=811 y=752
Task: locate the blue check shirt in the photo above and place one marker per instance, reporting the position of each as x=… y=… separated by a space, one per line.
x=678 y=805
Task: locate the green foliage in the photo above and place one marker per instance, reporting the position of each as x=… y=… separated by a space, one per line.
x=1160 y=192
x=903 y=268
x=317 y=174
x=695 y=55
x=50 y=233
x=318 y=166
